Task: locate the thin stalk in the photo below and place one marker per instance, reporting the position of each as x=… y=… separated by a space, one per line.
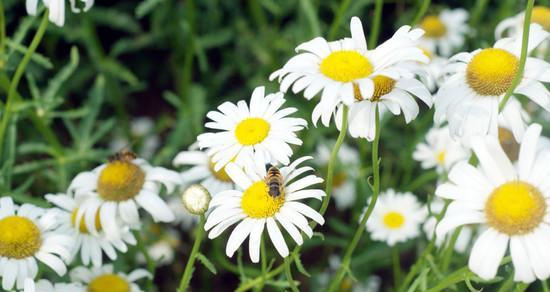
x=344 y=267
x=478 y=11
x=448 y=252
x=523 y=56
x=544 y=286
x=188 y=272
x=375 y=26
x=421 y=11
x=288 y=273
x=148 y=260
x=337 y=19
x=520 y=287
x=18 y=74
x=2 y=35
x=263 y=260
x=396 y=266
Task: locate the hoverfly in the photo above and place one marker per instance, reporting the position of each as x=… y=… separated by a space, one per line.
x=274 y=180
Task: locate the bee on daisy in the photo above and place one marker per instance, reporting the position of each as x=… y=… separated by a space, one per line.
x=513 y=26
x=104 y=278
x=445 y=32
x=261 y=127
x=396 y=217
x=346 y=72
x=469 y=99
x=263 y=201
x=508 y=201
x=29 y=235
x=115 y=192
x=440 y=151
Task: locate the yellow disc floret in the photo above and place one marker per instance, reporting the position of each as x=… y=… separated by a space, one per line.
x=120 y=180
x=441 y=157
x=19 y=237
x=346 y=66
x=541 y=15
x=109 y=282
x=508 y=143
x=433 y=26
x=491 y=71
x=220 y=174
x=82 y=226
x=257 y=203
x=515 y=207
x=382 y=86
x=252 y=131
x=394 y=220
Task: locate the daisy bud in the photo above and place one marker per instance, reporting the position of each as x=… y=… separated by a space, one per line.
x=196 y=199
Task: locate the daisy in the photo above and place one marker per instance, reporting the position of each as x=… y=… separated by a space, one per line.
x=91 y=247
x=440 y=150
x=444 y=32
x=343 y=70
x=463 y=239
x=347 y=170
x=508 y=201
x=202 y=171
x=57 y=8
x=431 y=74
x=469 y=99
x=29 y=234
x=47 y=286
x=104 y=278
x=116 y=190
x=260 y=127
x=396 y=217
x=512 y=122
x=254 y=208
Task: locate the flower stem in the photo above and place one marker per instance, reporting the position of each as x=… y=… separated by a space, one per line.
x=523 y=56
x=344 y=267
x=288 y=273
x=448 y=252
x=148 y=260
x=338 y=18
x=421 y=11
x=18 y=74
x=186 y=278
x=263 y=260
x=375 y=26
x=396 y=266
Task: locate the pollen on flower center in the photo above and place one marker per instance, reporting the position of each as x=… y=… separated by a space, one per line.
x=346 y=66
x=394 y=220
x=19 y=237
x=109 y=282
x=541 y=15
x=220 y=174
x=508 y=143
x=257 y=203
x=82 y=226
x=120 y=180
x=515 y=208
x=491 y=71
x=433 y=26
x=382 y=86
x=441 y=157
x=252 y=131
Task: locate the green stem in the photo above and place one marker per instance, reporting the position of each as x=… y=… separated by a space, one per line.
x=478 y=11
x=448 y=252
x=263 y=260
x=544 y=286
x=523 y=56
x=396 y=266
x=337 y=19
x=344 y=267
x=18 y=74
x=188 y=272
x=421 y=11
x=288 y=273
x=2 y=35
x=375 y=26
x=520 y=287
x=149 y=261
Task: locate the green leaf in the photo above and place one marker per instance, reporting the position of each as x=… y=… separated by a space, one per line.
x=145 y=7
x=206 y=263
x=56 y=82
x=300 y=266
x=319 y=234
x=36 y=57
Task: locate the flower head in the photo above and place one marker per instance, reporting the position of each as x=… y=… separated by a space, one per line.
x=196 y=199
x=440 y=150
x=104 y=278
x=445 y=31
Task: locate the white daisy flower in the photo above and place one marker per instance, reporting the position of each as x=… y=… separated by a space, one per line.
x=440 y=150
x=396 y=217
x=444 y=32
x=57 y=8
x=508 y=201
x=346 y=173
x=90 y=246
x=28 y=234
x=260 y=127
x=162 y=251
x=469 y=99
x=47 y=286
x=463 y=239
x=104 y=278
x=116 y=190
x=257 y=205
x=343 y=69
x=202 y=171
x=431 y=74
x=513 y=26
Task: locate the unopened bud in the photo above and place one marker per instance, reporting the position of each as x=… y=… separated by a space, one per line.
x=196 y=199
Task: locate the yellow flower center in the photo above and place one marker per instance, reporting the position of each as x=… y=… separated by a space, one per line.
x=382 y=86
x=515 y=208
x=427 y=53
x=541 y=15
x=120 y=180
x=257 y=203
x=109 y=282
x=441 y=157
x=220 y=174
x=394 y=220
x=252 y=131
x=508 y=143
x=339 y=179
x=82 y=228
x=346 y=66
x=492 y=71
x=19 y=237
x=433 y=26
